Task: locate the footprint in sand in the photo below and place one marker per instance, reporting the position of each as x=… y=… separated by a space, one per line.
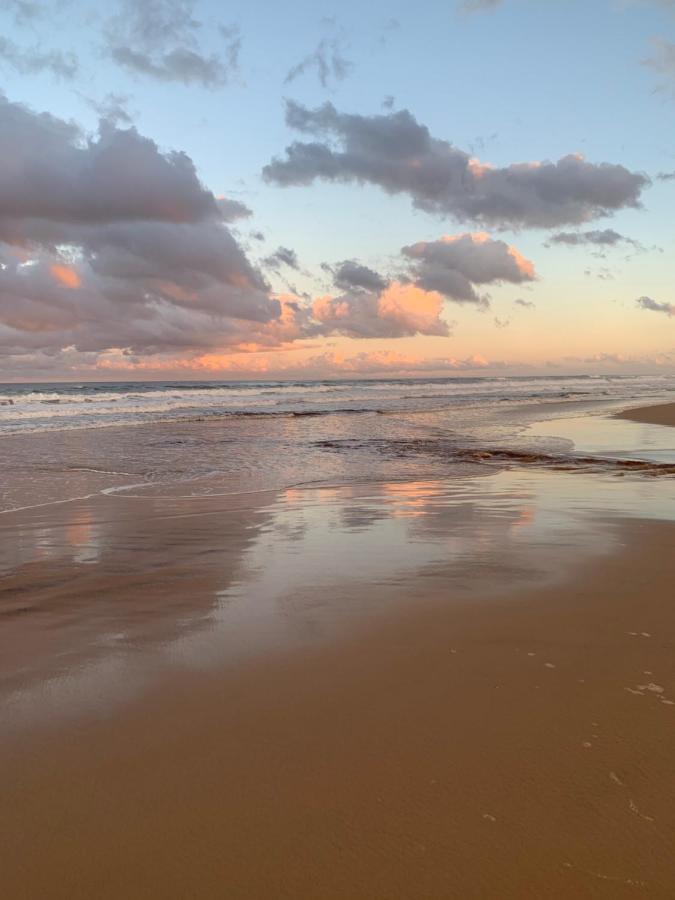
x=632 y=806
x=657 y=690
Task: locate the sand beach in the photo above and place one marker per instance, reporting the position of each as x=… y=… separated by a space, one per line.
x=404 y=689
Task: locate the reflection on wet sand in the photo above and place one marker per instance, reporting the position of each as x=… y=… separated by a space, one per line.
x=104 y=580
x=614 y=437
x=102 y=596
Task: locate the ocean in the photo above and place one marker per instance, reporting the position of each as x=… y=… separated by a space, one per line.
x=62 y=441
x=52 y=406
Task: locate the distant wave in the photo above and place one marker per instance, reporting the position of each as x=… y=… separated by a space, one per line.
x=49 y=407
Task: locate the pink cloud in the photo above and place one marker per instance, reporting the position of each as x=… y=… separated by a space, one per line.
x=401 y=309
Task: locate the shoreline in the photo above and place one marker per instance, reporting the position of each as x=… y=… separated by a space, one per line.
x=394 y=689
x=384 y=763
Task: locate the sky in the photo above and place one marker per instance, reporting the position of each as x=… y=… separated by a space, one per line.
x=197 y=189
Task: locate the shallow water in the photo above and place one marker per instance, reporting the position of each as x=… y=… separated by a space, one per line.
x=103 y=596
x=613 y=438
x=404 y=430
x=128 y=551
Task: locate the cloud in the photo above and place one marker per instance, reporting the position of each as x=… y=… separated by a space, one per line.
x=526 y=304
x=232 y=38
x=66 y=275
x=451 y=268
x=327 y=61
x=663 y=59
x=612 y=359
x=455 y=264
x=108 y=243
x=113 y=108
x=350 y=275
x=398 y=154
x=113 y=252
x=398 y=311
x=30 y=61
x=603 y=274
x=65 y=176
x=666 y=176
x=605 y=238
x=331 y=362
x=24 y=10
x=656 y=306
x=161 y=39
x=282 y=256
x=390 y=361
x=231 y=210
x=471 y=6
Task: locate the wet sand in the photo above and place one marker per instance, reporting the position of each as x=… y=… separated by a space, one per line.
x=517 y=742
x=663 y=414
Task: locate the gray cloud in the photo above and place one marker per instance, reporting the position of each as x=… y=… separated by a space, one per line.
x=161 y=39
x=113 y=108
x=65 y=176
x=24 y=10
x=232 y=38
x=455 y=266
x=282 y=256
x=656 y=306
x=373 y=305
x=350 y=275
x=231 y=210
x=30 y=61
x=180 y=64
x=327 y=61
x=398 y=154
x=666 y=176
x=600 y=238
x=111 y=250
x=526 y=304
x=603 y=274
x=107 y=243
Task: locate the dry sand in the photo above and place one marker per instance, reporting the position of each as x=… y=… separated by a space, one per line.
x=663 y=414
x=519 y=746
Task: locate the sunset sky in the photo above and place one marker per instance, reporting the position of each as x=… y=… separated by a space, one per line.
x=299 y=190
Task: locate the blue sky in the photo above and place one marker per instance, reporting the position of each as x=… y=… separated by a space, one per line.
x=519 y=82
